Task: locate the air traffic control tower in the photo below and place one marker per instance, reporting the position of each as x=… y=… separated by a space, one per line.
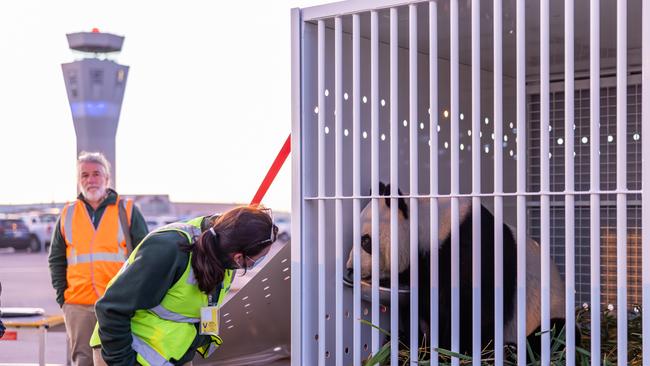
x=95 y=86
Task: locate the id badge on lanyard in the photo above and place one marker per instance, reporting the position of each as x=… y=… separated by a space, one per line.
x=210 y=317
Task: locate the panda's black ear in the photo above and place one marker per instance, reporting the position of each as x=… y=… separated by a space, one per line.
x=384 y=189
x=403 y=207
x=401 y=202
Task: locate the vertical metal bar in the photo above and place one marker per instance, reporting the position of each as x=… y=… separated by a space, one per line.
x=545 y=228
x=413 y=175
x=454 y=111
x=498 y=182
x=374 y=117
x=296 y=196
x=321 y=192
x=356 y=188
x=433 y=176
x=42 y=332
x=394 y=182
x=374 y=179
x=521 y=183
x=594 y=144
x=621 y=177
x=476 y=182
x=569 y=223
x=338 y=187
x=645 y=200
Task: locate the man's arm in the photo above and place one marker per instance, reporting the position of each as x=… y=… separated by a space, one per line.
x=58 y=263
x=139 y=227
x=142 y=285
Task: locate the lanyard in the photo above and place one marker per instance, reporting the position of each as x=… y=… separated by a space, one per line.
x=213 y=298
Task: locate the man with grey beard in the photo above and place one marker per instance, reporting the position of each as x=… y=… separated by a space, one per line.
x=93 y=237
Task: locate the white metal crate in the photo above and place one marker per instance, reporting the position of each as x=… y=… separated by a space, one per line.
x=381 y=92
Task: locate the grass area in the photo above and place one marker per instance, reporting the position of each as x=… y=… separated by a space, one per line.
x=609 y=345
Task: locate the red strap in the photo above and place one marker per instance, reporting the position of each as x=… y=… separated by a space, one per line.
x=273 y=171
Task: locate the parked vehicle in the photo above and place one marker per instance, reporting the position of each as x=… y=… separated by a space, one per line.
x=284 y=227
x=41 y=224
x=15 y=234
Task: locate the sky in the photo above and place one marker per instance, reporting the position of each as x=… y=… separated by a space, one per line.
x=206 y=108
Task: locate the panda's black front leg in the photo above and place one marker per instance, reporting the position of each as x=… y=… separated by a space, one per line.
x=424 y=323
x=424 y=298
x=404 y=322
x=424 y=306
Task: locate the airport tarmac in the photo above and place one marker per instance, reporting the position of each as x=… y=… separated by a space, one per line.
x=26 y=283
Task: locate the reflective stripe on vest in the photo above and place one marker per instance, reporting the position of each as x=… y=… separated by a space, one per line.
x=190 y=231
x=167 y=314
x=87 y=258
x=215 y=343
x=148 y=353
x=191 y=279
x=68 y=223
x=120 y=229
x=211 y=350
x=170 y=315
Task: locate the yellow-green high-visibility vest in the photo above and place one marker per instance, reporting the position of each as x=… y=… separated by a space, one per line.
x=167 y=331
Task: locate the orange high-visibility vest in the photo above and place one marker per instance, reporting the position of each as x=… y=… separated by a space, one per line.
x=94 y=255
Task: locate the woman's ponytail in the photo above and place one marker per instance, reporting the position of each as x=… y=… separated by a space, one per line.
x=207 y=263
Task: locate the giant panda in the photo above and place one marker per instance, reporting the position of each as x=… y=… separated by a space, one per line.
x=533 y=274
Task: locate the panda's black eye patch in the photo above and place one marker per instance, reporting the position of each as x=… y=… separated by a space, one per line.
x=366 y=243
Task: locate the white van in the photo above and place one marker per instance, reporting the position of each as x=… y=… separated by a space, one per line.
x=41 y=224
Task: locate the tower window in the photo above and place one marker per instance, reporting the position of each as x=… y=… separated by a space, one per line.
x=96 y=76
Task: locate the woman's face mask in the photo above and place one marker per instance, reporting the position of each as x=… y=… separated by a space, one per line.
x=241 y=262
x=256 y=262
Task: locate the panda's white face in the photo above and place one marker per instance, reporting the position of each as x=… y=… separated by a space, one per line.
x=384 y=240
